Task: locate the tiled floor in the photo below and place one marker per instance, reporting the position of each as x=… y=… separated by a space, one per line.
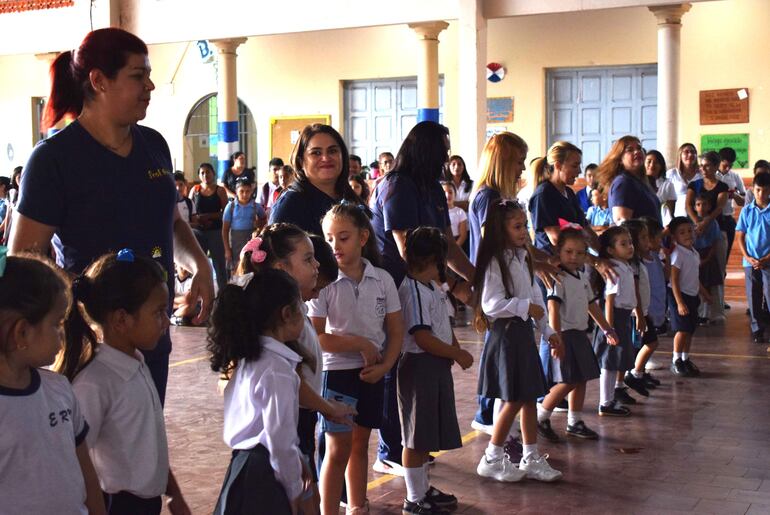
x=696 y=445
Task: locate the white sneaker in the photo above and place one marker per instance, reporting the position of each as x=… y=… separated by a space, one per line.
x=654 y=365
x=501 y=470
x=539 y=469
x=478 y=426
x=388 y=467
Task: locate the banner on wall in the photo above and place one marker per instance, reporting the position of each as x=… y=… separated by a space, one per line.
x=738 y=142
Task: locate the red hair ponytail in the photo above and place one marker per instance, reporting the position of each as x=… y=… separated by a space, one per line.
x=104 y=49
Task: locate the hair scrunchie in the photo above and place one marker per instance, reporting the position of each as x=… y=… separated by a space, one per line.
x=81 y=288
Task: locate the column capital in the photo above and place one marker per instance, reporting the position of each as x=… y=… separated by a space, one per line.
x=227 y=46
x=670 y=14
x=429 y=29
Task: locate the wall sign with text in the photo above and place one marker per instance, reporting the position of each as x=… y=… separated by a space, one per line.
x=738 y=142
x=724 y=106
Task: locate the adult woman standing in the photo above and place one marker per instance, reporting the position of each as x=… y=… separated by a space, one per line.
x=685 y=172
x=408 y=197
x=74 y=187
x=718 y=193
x=457 y=172
x=235 y=172
x=655 y=169
x=622 y=174
x=209 y=201
x=321 y=165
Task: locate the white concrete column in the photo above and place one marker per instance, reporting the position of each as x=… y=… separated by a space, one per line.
x=227 y=100
x=472 y=84
x=427 y=73
x=669 y=36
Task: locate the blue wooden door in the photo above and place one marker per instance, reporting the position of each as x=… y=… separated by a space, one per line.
x=593 y=107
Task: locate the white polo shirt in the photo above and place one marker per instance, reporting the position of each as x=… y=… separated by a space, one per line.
x=127 y=439
x=497 y=303
x=734 y=182
x=688 y=263
x=423 y=307
x=359 y=309
x=262 y=408
x=308 y=340
x=623 y=287
x=640 y=271
x=679 y=185
x=40 y=426
x=573 y=293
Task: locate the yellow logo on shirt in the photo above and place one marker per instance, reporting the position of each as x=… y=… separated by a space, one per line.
x=157 y=173
x=156 y=252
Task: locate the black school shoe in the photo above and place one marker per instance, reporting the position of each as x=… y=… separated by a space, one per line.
x=622 y=396
x=545 y=430
x=758 y=337
x=678 y=368
x=614 y=410
x=440 y=499
x=692 y=370
x=637 y=384
x=580 y=430
x=651 y=381
x=423 y=507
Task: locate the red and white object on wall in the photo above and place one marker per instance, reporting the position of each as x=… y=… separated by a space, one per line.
x=495 y=72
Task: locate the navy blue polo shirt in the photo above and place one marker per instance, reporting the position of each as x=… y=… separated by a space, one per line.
x=477 y=215
x=302 y=205
x=547 y=205
x=634 y=194
x=100 y=202
x=401 y=206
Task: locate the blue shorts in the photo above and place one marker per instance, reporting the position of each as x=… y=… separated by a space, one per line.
x=687 y=323
x=346 y=386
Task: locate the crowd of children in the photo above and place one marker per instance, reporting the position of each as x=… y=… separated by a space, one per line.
x=307 y=328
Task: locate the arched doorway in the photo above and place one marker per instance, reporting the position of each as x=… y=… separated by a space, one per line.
x=201 y=136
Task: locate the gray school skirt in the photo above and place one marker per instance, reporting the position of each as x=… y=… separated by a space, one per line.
x=619 y=357
x=238 y=240
x=426 y=403
x=579 y=364
x=510 y=368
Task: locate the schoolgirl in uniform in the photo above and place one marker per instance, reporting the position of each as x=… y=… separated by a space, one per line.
x=126 y=296
x=683 y=299
x=635 y=378
x=286 y=247
x=570 y=301
x=510 y=368
x=359 y=324
x=44 y=462
x=620 y=299
x=252 y=327
x=426 y=399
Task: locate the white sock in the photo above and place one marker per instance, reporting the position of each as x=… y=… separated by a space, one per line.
x=573 y=417
x=542 y=413
x=606 y=390
x=494 y=452
x=685 y=356
x=675 y=356
x=425 y=477
x=637 y=373
x=619 y=384
x=414 y=481
x=529 y=451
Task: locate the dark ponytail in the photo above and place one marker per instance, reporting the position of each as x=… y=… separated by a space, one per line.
x=112 y=282
x=242 y=315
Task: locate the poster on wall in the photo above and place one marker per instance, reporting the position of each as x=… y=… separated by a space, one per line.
x=738 y=142
x=719 y=106
x=500 y=110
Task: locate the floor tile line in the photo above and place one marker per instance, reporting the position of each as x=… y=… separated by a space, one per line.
x=188 y=361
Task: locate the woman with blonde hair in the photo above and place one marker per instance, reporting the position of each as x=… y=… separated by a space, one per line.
x=622 y=174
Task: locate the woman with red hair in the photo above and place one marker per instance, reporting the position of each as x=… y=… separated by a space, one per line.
x=103 y=182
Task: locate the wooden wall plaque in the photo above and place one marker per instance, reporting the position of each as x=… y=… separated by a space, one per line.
x=719 y=106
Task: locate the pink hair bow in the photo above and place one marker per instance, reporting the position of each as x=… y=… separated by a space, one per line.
x=257 y=255
x=563 y=224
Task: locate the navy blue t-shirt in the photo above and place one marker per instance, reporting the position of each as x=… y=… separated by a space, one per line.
x=632 y=193
x=401 y=206
x=100 y=202
x=547 y=205
x=477 y=215
x=304 y=206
